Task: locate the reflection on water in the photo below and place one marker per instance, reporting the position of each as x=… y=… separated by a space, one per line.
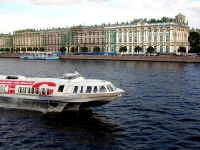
x=34 y=129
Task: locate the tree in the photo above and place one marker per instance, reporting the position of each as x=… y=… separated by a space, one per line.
x=195 y=50
x=84 y=49
x=23 y=49
x=62 y=49
x=29 y=49
x=7 y=50
x=181 y=49
x=41 y=49
x=138 y=49
x=2 y=49
x=96 y=49
x=35 y=49
x=150 y=49
x=73 y=50
x=17 y=49
x=194 y=39
x=123 y=49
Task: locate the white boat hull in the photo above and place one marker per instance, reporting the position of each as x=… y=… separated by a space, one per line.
x=72 y=92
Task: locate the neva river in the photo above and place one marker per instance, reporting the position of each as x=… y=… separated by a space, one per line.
x=160 y=109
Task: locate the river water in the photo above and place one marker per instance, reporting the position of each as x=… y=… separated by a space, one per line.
x=159 y=110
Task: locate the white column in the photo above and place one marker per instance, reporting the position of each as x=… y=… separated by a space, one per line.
x=132 y=37
x=127 y=36
x=122 y=36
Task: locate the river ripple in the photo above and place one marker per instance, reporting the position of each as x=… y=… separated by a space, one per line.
x=160 y=109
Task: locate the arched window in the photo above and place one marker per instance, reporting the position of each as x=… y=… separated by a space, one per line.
x=161 y=38
x=155 y=39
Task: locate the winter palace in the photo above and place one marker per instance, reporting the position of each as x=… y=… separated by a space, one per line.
x=166 y=35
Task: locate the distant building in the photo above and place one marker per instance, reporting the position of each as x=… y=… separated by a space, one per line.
x=165 y=35
x=27 y=38
x=6 y=41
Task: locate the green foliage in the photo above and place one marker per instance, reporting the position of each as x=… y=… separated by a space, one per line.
x=63 y=49
x=73 y=50
x=2 y=49
x=194 y=39
x=84 y=49
x=195 y=50
x=17 y=49
x=7 y=49
x=29 y=49
x=123 y=49
x=150 y=49
x=181 y=49
x=138 y=49
x=96 y=49
x=41 y=49
x=35 y=49
x=23 y=49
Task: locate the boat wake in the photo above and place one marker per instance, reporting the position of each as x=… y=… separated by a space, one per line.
x=30 y=105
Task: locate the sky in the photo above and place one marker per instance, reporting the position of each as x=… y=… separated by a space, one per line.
x=43 y=14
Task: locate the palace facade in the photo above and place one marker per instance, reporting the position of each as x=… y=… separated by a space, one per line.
x=166 y=35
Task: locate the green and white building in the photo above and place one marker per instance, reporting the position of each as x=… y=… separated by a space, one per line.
x=166 y=35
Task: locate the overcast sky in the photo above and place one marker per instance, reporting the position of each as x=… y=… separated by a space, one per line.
x=24 y=14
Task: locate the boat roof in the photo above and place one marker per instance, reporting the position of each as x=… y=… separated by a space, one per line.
x=69 y=78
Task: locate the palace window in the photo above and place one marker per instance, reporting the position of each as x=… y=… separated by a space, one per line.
x=135 y=39
x=124 y=39
x=130 y=39
x=155 y=39
x=167 y=38
x=167 y=49
x=161 y=49
x=161 y=38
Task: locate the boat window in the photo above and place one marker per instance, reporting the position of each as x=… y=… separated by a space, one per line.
x=95 y=89
x=89 y=89
x=81 y=89
x=29 y=90
x=113 y=86
x=48 y=91
x=110 y=88
x=75 y=89
x=102 y=89
x=32 y=90
x=61 y=87
x=11 y=77
x=37 y=91
x=24 y=89
x=20 y=90
x=43 y=91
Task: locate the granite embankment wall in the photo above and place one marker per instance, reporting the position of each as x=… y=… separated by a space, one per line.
x=187 y=59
